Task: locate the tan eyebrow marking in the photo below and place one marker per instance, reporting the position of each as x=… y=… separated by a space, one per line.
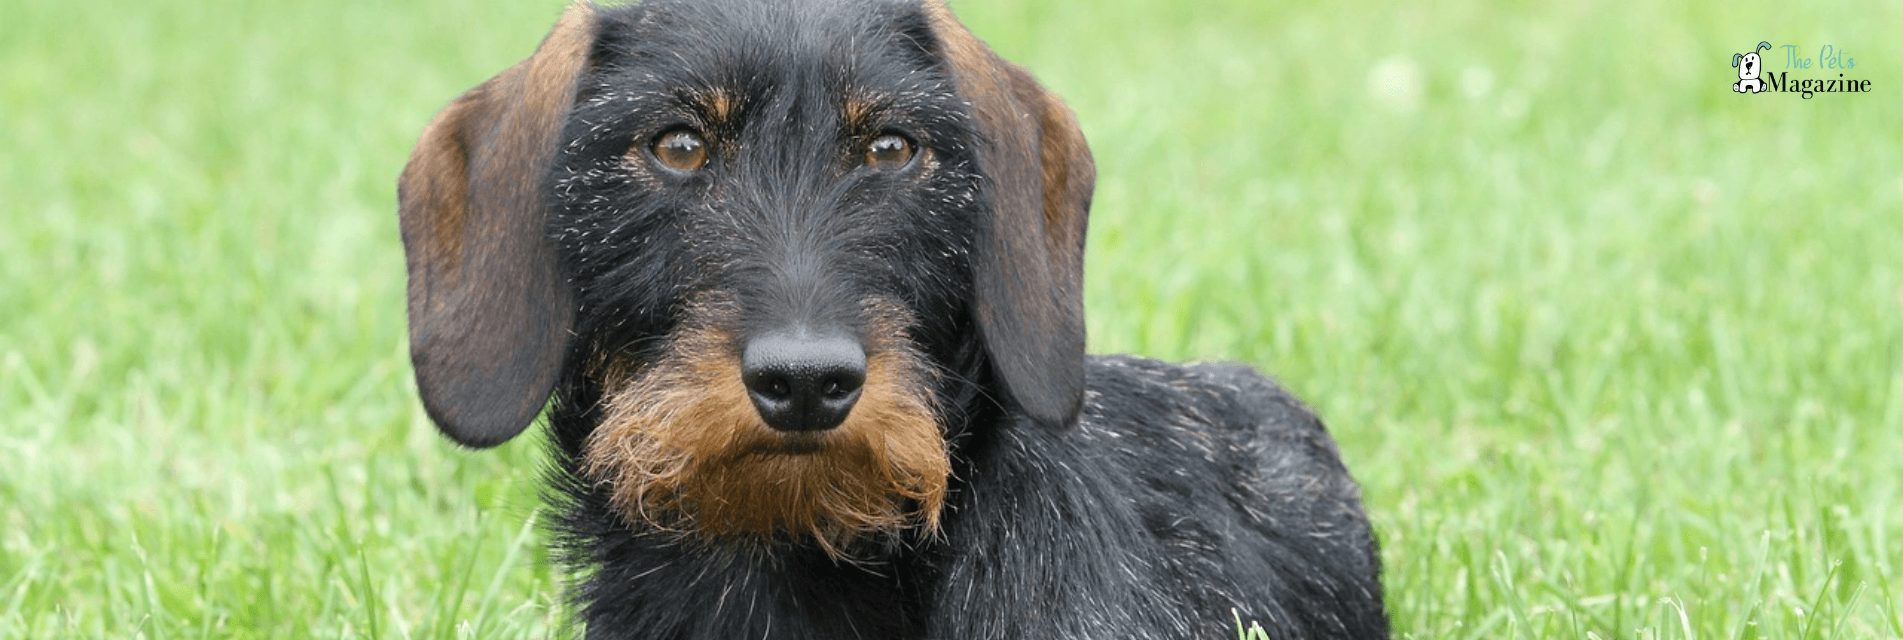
x=720 y=104
x=857 y=110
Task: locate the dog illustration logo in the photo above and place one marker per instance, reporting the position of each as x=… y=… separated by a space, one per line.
x=1750 y=66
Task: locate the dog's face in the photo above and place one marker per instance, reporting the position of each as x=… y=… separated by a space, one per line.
x=1748 y=67
x=779 y=240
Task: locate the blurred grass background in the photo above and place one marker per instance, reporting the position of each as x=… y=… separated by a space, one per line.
x=1613 y=350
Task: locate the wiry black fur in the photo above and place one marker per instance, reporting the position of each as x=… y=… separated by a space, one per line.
x=1182 y=493
x=1179 y=494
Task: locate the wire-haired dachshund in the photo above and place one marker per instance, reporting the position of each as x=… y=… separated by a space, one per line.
x=799 y=284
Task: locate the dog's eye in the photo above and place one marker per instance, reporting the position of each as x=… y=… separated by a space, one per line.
x=889 y=151
x=681 y=150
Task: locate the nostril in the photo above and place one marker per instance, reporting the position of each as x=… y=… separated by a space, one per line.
x=767 y=381
x=842 y=384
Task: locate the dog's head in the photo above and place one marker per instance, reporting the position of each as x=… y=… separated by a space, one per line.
x=1749 y=64
x=785 y=241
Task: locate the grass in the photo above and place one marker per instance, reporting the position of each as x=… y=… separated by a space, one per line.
x=1253 y=631
x=1614 y=351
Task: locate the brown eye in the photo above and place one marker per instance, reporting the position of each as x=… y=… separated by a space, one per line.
x=889 y=151
x=681 y=150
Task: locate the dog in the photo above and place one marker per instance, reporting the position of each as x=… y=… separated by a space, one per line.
x=799 y=286
x=1750 y=66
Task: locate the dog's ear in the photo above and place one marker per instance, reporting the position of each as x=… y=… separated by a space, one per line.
x=1735 y=58
x=1029 y=264
x=489 y=311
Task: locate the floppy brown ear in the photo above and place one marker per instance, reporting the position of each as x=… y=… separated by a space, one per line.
x=489 y=311
x=1029 y=267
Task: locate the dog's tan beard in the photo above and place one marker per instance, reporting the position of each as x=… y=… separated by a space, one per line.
x=683 y=450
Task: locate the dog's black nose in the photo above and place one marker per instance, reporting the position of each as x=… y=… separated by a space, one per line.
x=803 y=383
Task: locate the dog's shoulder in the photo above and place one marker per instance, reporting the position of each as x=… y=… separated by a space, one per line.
x=1224 y=434
x=1239 y=492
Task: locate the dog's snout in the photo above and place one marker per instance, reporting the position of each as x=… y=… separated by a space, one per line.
x=803 y=383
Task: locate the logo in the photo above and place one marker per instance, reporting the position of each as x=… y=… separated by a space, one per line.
x=1753 y=78
x=1750 y=66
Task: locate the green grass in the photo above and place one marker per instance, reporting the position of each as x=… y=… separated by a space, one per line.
x=1614 y=351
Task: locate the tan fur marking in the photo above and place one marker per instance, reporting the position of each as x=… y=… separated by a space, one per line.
x=856 y=110
x=435 y=181
x=720 y=104
x=1069 y=175
x=683 y=450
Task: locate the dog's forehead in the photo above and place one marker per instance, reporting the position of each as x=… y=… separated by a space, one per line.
x=755 y=36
